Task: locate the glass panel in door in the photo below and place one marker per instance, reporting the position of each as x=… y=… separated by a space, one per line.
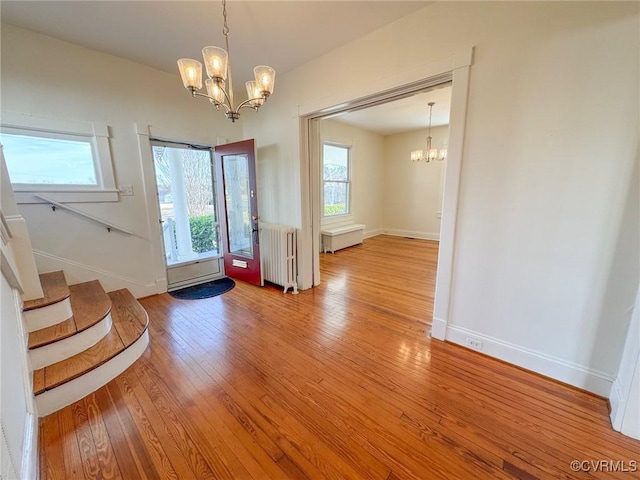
x=237 y=192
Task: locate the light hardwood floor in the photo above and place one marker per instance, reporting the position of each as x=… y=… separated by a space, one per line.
x=340 y=381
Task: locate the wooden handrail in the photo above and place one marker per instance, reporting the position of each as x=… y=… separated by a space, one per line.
x=107 y=225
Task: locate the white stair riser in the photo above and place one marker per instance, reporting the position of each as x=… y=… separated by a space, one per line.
x=68 y=347
x=53 y=400
x=44 y=317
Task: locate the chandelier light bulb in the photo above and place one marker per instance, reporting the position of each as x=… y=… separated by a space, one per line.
x=215 y=61
x=265 y=77
x=215 y=90
x=191 y=73
x=254 y=92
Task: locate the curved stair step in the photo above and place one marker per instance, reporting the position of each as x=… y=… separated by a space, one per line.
x=89 y=303
x=51 y=309
x=67 y=381
x=91 y=321
x=55 y=289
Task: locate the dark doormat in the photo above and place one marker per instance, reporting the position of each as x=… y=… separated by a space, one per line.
x=204 y=290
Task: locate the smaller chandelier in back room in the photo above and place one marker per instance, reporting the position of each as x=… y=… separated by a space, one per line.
x=218 y=67
x=429 y=154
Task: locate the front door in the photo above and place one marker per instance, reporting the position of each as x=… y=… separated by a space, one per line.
x=238 y=200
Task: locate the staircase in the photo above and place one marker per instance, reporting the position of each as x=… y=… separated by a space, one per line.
x=80 y=338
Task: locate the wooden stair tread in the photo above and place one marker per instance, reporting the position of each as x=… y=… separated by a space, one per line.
x=132 y=317
x=73 y=367
x=89 y=304
x=38 y=381
x=129 y=321
x=55 y=289
x=52 y=334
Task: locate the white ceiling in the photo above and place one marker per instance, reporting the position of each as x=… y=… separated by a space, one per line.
x=410 y=113
x=282 y=34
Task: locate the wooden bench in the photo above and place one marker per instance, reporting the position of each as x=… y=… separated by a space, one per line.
x=342 y=236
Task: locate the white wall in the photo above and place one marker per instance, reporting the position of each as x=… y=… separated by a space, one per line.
x=413 y=190
x=551 y=136
x=367 y=171
x=46 y=77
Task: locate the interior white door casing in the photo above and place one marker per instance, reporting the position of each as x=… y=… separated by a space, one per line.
x=625 y=393
x=455 y=68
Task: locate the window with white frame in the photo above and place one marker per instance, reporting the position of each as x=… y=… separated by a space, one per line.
x=70 y=160
x=336 y=176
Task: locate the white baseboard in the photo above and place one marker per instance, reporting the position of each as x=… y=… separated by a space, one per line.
x=77 y=273
x=373 y=233
x=547 y=365
x=161 y=285
x=616 y=401
x=413 y=234
x=438 y=329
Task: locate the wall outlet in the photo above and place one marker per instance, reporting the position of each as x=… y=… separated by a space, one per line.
x=474 y=343
x=126 y=190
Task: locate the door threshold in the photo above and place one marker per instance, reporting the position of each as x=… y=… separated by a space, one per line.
x=193 y=261
x=194 y=281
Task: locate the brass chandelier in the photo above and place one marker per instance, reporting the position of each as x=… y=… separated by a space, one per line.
x=218 y=67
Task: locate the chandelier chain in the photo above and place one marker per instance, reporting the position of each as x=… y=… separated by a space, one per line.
x=225 y=27
x=225 y=32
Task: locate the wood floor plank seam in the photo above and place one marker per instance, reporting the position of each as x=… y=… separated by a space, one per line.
x=250 y=428
x=169 y=447
x=226 y=465
x=147 y=433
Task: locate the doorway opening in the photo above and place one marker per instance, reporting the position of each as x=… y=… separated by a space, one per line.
x=376 y=185
x=455 y=69
x=188 y=213
x=314 y=139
